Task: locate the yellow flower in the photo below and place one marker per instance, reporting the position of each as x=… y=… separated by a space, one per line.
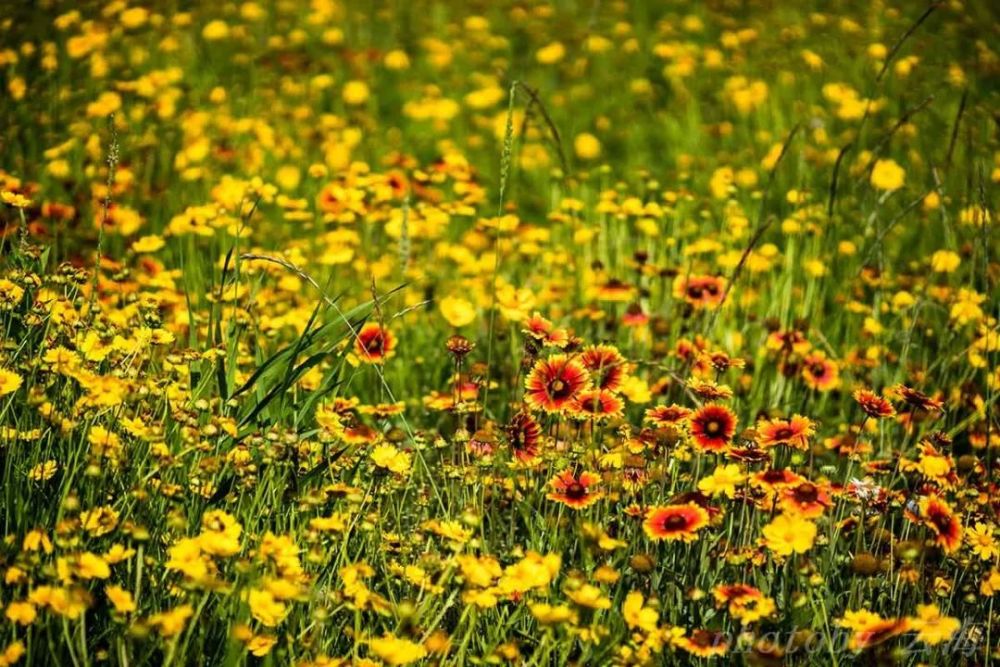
x=457 y=311
x=70 y=603
x=450 y=530
x=92 y=566
x=355 y=93
x=484 y=98
x=532 y=571
x=185 y=556
x=215 y=30
x=887 y=175
x=22 y=613
x=587 y=146
x=723 y=481
x=261 y=645
x=638 y=616
x=945 y=261
x=387 y=456
x=547 y=614
x=478 y=571
x=104 y=442
x=36 y=540
x=220 y=534
x=265 y=608
x=589 y=596
x=484 y=598
x=118 y=553
x=396 y=60
x=815 y=268
x=635 y=389
x=966 y=307
x=902 y=300
x=148 y=244
x=133 y=17
x=288 y=176
x=395 y=651
x=788 y=534
x=100 y=520
x=120 y=598
x=9 y=382
x=11 y=654
x=10 y=294
x=606 y=574
x=812 y=59
x=933 y=628
x=770 y=160
x=990 y=585
x=171 y=623
x=752 y=608
x=335 y=523
x=15 y=199
x=974 y=215
x=43 y=471
x=980 y=539
x=59 y=169
x=552 y=53
x=106 y=103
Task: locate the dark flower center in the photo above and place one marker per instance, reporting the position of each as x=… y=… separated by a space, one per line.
x=559 y=388
x=807 y=493
x=576 y=491
x=705 y=638
x=941 y=521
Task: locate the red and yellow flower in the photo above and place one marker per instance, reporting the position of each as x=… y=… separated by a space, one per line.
x=524 y=436
x=937 y=515
x=596 y=404
x=805 y=499
x=869 y=629
x=675 y=522
x=794 y=432
x=874 y=405
x=374 y=343
x=606 y=366
x=554 y=382
x=712 y=427
x=574 y=490
x=819 y=372
x=663 y=416
x=702 y=292
x=703 y=643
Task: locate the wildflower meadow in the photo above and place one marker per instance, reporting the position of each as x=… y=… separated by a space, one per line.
x=568 y=332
